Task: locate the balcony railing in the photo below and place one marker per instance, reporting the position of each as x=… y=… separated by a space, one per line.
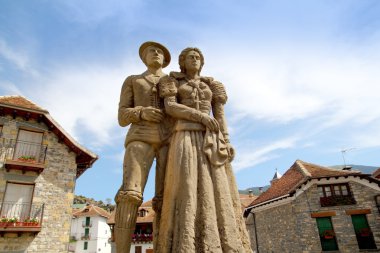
x=73 y=238
x=142 y=237
x=85 y=237
x=21 y=217
x=86 y=225
x=337 y=200
x=22 y=155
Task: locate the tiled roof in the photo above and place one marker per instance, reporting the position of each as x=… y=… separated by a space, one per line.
x=91 y=211
x=149 y=216
x=21 y=106
x=317 y=171
x=147 y=204
x=298 y=173
x=20 y=101
x=246 y=199
x=376 y=173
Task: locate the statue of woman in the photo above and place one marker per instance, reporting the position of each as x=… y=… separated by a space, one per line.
x=201 y=207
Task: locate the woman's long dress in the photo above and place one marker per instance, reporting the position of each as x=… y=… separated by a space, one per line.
x=197 y=213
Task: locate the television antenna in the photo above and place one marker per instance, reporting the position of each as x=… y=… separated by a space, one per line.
x=344 y=151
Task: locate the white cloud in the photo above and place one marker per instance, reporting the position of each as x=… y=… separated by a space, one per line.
x=94 y=12
x=248 y=155
x=84 y=100
x=10 y=88
x=16 y=57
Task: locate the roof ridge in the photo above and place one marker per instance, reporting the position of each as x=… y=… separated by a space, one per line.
x=100 y=211
x=302 y=168
x=37 y=106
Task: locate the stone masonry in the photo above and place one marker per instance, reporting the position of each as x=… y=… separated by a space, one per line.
x=54 y=187
x=290 y=227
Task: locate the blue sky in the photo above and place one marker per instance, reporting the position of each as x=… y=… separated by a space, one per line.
x=303 y=77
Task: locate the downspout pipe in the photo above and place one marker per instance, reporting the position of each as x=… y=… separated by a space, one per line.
x=254 y=225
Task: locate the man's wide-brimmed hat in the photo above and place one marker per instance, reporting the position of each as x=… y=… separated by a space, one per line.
x=152 y=43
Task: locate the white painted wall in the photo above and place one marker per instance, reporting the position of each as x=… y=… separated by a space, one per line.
x=99 y=235
x=144 y=246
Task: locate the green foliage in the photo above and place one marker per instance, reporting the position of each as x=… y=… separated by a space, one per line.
x=79 y=199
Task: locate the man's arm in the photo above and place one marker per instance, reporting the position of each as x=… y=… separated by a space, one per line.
x=128 y=113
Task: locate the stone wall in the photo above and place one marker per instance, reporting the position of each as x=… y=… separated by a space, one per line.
x=276 y=230
x=290 y=227
x=54 y=187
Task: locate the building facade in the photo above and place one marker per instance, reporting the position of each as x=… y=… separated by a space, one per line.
x=90 y=232
x=316 y=209
x=39 y=164
x=142 y=239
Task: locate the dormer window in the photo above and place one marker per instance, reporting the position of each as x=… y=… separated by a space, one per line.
x=142 y=213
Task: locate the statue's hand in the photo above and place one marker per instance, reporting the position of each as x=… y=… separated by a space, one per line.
x=210 y=123
x=231 y=151
x=152 y=114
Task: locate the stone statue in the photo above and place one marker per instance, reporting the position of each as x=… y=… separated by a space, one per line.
x=201 y=207
x=141 y=107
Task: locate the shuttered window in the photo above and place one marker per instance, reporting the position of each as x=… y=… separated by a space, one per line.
x=363 y=232
x=17 y=200
x=326 y=234
x=88 y=221
x=28 y=144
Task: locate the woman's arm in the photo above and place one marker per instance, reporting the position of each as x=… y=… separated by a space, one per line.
x=219 y=98
x=168 y=91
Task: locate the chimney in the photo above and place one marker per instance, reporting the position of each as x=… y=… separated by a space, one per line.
x=250 y=193
x=347 y=167
x=261 y=189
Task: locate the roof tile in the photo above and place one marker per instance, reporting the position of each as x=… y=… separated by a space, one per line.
x=299 y=172
x=91 y=211
x=20 y=101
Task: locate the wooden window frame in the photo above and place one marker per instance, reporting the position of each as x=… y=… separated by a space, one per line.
x=22 y=183
x=332 y=190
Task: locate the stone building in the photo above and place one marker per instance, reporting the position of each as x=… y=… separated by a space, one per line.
x=39 y=164
x=142 y=241
x=90 y=231
x=316 y=209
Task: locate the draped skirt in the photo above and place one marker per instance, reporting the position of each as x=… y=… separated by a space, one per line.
x=198 y=212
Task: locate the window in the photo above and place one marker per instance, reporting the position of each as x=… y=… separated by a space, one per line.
x=326 y=234
x=17 y=200
x=363 y=232
x=85 y=245
x=29 y=145
x=142 y=213
x=88 y=221
x=335 y=195
x=333 y=190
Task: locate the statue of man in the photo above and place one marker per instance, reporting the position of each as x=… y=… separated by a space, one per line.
x=147 y=138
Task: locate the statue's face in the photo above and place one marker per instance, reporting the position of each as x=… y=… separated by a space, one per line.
x=193 y=61
x=154 y=56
